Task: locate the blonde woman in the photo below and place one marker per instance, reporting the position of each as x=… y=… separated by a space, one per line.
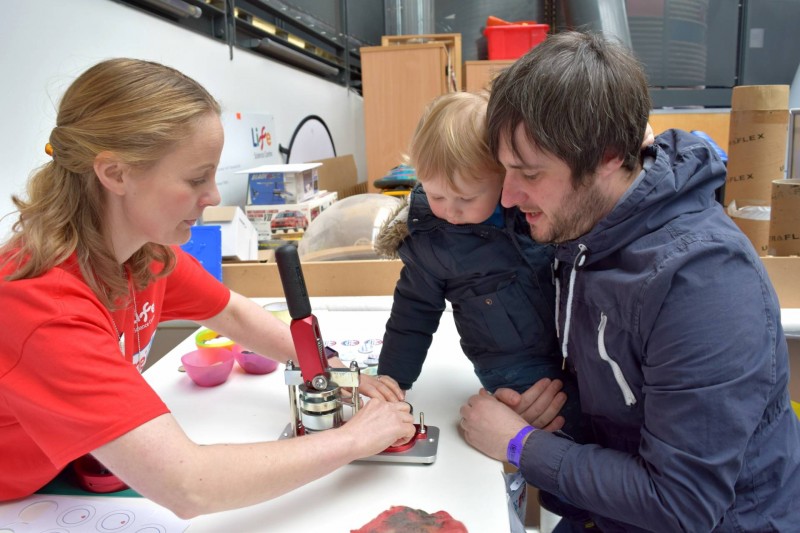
x=92 y=267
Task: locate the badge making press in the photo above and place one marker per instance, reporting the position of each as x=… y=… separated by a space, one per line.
x=315 y=389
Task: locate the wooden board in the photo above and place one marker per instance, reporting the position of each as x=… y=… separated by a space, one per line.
x=715 y=123
x=323 y=278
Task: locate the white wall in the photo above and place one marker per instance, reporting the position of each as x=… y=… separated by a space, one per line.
x=45 y=44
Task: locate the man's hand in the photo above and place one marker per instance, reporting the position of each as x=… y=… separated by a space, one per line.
x=539 y=405
x=488 y=424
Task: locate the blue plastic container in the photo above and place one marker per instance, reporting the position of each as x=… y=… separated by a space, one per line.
x=206 y=246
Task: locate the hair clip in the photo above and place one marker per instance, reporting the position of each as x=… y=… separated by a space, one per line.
x=48 y=149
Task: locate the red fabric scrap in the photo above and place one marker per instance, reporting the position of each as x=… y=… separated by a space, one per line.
x=402 y=519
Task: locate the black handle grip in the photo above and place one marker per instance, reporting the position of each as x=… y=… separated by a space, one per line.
x=294 y=285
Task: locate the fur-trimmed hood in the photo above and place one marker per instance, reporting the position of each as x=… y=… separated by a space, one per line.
x=393 y=232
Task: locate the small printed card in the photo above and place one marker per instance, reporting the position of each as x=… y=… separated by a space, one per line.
x=363 y=350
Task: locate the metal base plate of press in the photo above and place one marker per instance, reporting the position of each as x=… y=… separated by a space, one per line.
x=423 y=451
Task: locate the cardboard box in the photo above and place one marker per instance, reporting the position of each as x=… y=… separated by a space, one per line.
x=783 y=273
x=794 y=366
x=239 y=236
x=268 y=221
x=266 y=256
x=784 y=221
x=281 y=184
x=757 y=142
x=757 y=231
x=340 y=174
x=753 y=221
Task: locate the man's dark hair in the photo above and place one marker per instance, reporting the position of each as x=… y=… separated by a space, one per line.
x=579 y=97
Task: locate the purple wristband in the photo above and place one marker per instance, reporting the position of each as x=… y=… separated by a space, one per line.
x=514 y=449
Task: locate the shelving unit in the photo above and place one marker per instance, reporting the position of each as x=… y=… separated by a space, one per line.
x=452 y=43
x=398 y=82
x=481 y=73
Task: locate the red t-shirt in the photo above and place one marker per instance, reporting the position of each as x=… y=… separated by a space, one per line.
x=65 y=388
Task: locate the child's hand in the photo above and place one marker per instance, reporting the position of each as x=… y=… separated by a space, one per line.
x=381 y=387
x=539 y=405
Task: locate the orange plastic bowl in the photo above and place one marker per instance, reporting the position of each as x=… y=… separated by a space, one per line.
x=253 y=363
x=208 y=366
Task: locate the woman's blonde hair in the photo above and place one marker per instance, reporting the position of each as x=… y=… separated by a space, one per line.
x=451 y=137
x=136 y=109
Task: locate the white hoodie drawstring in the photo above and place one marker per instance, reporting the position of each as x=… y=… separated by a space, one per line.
x=627 y=393
x=580 y=259
x=558 y=295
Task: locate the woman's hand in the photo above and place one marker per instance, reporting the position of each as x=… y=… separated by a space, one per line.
x=379 y=424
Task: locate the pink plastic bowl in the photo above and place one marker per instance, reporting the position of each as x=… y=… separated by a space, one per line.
x=208 y=366
x=253 y=363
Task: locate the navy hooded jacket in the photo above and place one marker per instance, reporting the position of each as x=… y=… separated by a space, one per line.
x=498 y=280
x=674 y=332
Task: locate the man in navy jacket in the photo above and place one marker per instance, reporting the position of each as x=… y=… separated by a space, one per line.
x=666 y=314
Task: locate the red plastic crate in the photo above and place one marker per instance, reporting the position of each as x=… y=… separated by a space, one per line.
x=511 y=41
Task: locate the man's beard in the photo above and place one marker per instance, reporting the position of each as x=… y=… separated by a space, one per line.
x=578 y=215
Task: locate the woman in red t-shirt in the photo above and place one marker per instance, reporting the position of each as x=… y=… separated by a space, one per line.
x=134 y=156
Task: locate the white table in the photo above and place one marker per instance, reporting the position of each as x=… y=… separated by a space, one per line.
x=790 y=320
x=246 y=408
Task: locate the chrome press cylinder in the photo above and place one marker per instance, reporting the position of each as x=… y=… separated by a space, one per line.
x=320 y=409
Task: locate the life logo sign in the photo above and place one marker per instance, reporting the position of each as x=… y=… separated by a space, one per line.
x=261 y=137
x=143 y=319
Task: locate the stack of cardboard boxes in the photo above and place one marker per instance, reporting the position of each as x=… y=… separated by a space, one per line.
x=282 y=200
x=756 y=158
x=757 y=148
x=238 y=237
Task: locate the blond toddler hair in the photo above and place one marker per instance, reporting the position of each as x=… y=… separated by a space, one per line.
x=452 y=137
